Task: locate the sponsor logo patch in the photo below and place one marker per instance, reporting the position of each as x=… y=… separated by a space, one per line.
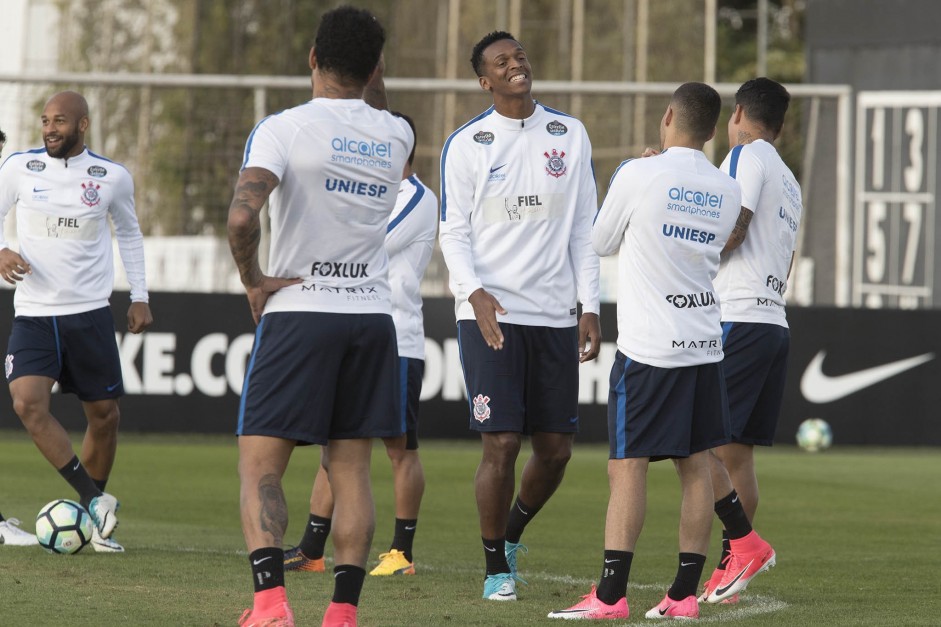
x=35 y=165
x=483 y=137
x=97 y=171
x=556 y=128
x=8 y=365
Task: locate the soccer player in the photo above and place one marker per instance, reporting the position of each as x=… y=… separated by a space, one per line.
x=751 y=283
x=668 y=217
x=518 y=196
x=410 y=240
x=323 y=367
x=63 y=329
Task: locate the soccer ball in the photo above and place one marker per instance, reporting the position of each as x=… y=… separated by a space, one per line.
x=814 y=434
x=63 y=526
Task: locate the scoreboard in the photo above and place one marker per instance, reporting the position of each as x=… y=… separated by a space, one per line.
x=894 y=221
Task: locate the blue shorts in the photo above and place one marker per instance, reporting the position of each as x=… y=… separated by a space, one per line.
x=665 y=412
x=755 y=367
x=79 y=351
x=314 y=377
x=530 y=385
x=411 y=372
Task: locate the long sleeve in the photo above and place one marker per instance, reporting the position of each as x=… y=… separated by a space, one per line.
x=586 y=262
x=607 y=233
x=457 y=204
x=130 y=240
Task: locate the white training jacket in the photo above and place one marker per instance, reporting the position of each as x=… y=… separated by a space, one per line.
x=517 y=201
x=410 y=240
x=339 y=163
x=752 y=278
x=62 y=209
x=669 y=216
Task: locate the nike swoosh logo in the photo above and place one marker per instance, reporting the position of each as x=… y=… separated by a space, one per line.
x=313 y=524
x=682 y=564
x=611 y=561
x=720 y=591
x=735 y=500
x=490 y=549
x=113 y=386
x=77 y=464
x=664 y=611
x=525 y=513
x=412 y=528
x=820 y=388
x=39 y=191
x=499 y=167
x=259 y=561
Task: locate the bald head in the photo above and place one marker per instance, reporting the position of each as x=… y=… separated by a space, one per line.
x=64 y=122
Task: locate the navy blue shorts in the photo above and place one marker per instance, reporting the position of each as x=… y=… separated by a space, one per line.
x=665 y=412
x=411 y=372
x=755 y=369
x=530 y=385
x=79 y=351
x=314 y=377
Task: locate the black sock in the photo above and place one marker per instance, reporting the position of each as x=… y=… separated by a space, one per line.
x=347 y=583
x=267 y=568
x=726 y=550
x=495 y=552
x=315 y=537
x=78 y=478
x=404 y=536
x=100 y=484
x=2 y=518
x=520 y=515
x=730 y=511
x=614 y=573
x=688 y=574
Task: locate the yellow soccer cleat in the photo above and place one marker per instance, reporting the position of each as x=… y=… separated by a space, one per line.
x=393 y=563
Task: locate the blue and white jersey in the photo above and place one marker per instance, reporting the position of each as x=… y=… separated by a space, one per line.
x=752 y=278
x=410 y=241
x=339 y=163
x=62 y=209
x=517 y=201
x=668 y=217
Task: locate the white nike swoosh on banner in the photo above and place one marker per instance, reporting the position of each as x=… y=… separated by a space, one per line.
x=820 y=388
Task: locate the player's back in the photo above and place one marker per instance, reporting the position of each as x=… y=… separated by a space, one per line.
x=752 y=279
x=339 y=163
x=678 y=213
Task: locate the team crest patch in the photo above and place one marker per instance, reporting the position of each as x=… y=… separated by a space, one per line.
x=481 y=407
x=90 y=195
x=35 y=165
x=555 y=166
x=97 y=171
x=556 y=128
x=8 y=365
x=483 y=137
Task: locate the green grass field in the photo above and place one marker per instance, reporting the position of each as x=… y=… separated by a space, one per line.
x=857 y=532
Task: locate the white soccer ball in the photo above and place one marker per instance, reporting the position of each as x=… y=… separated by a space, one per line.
x=63 y=526
x=814 y=434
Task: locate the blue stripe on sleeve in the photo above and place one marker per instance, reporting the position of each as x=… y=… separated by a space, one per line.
x=733 y=163
x=412 y=203
x=444 y=154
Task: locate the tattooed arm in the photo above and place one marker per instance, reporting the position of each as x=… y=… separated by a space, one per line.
x=739 y=231
x=244 y=227
x=375 y=93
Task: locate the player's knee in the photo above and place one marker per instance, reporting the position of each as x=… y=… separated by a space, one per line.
x=502 y=446
x=29 y=408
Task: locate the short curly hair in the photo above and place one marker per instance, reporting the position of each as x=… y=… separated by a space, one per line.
x=349 y=43
x=765 y=101
x=477 y=56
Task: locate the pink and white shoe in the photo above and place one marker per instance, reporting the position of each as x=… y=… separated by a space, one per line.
x=688 y=608
x=750 y=556
x=593 y=608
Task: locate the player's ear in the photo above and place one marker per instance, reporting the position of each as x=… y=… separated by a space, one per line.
x=83 y=124
x=312 y=58
x=738 y=113
x=484 y=83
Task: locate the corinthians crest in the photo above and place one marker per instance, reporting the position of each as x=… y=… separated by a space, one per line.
x=90 y=195
x=481 y=407
x=555 y=166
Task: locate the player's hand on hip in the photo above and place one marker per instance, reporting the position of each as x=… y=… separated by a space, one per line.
x=589 y=335
x=258 y=294
x=139 y=317
x=486 y=308
x=13 y=267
